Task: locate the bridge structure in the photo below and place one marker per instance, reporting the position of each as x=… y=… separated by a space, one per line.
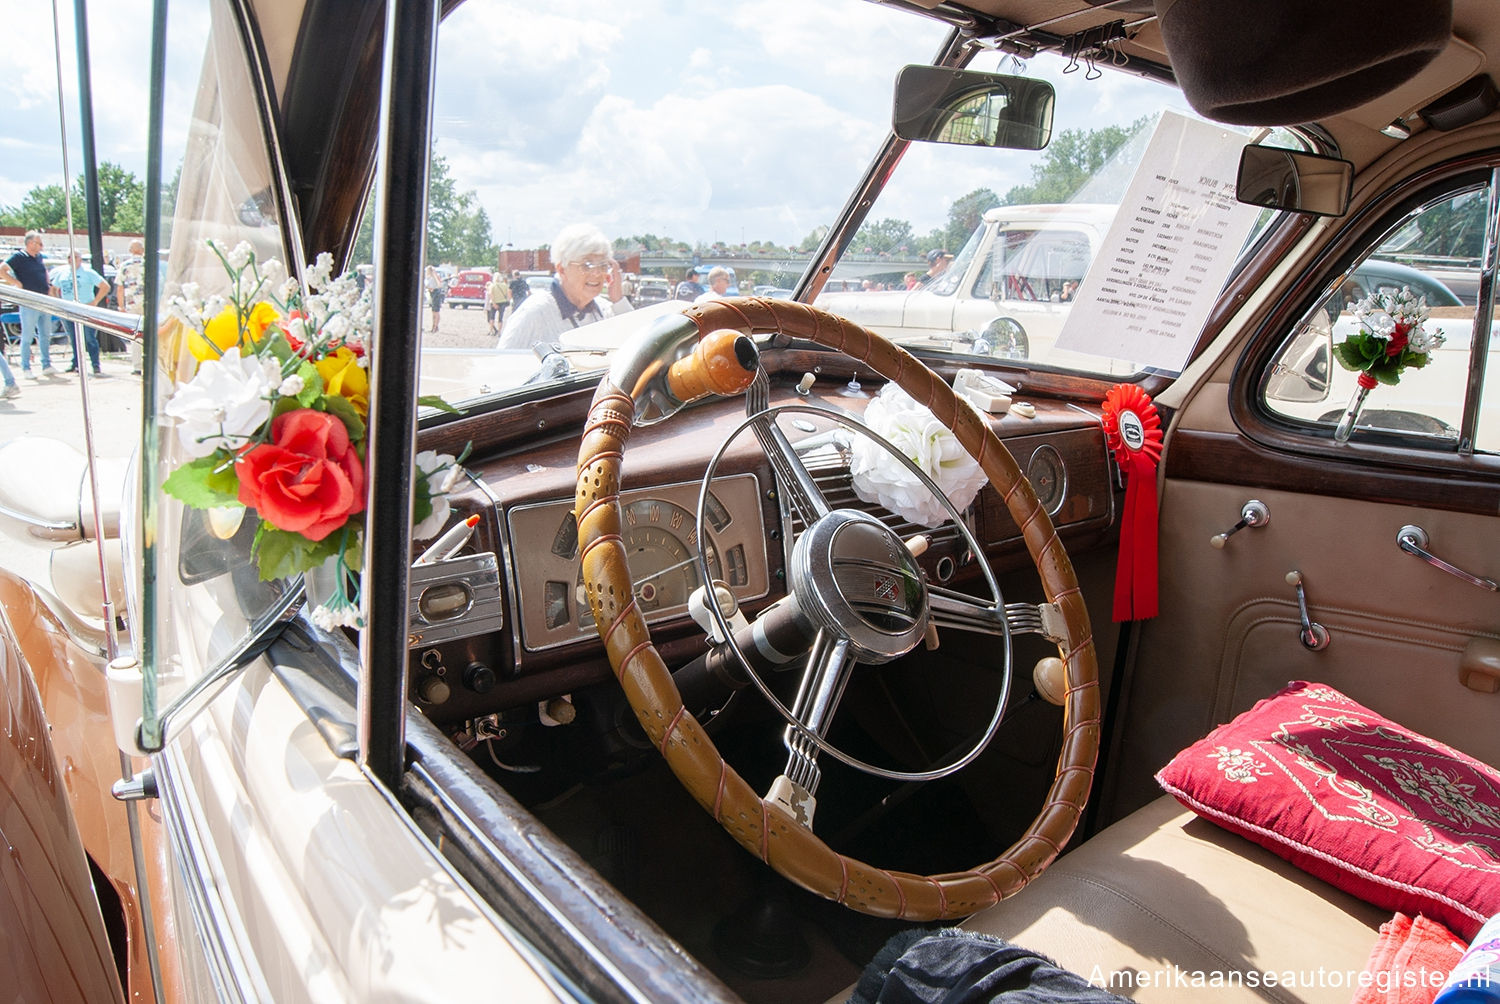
x=788 y=266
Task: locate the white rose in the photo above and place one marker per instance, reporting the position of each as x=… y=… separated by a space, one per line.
x=430 y=463
x=931 y=446
x=227 y=401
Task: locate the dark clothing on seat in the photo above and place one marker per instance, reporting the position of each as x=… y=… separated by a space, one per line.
x=961 y=967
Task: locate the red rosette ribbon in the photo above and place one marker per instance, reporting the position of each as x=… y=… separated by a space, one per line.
x=1132 y=429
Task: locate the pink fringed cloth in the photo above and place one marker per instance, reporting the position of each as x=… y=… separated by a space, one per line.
x=1409 y=962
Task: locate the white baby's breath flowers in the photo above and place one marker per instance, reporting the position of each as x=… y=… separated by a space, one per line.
x=291 y=386
x=318 y=276
x=226 y=401
x=240 y=256
x=344 y=615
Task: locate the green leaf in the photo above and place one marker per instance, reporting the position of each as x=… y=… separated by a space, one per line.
x=434 y=401
x=339 y=407
x=206 y=482
x=280 y=553
x=1349 y=355
x=312 y=384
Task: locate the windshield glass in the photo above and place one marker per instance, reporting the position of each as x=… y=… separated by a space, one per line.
x=598 y=185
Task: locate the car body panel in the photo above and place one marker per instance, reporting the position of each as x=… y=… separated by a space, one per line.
x=56 y=947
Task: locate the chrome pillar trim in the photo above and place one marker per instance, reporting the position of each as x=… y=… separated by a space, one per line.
x=1484 y=315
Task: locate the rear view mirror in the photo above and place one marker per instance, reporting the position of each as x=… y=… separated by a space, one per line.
x=1290 y=179
x=939 y=105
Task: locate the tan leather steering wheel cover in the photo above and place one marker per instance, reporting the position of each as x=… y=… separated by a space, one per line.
x=764 y=829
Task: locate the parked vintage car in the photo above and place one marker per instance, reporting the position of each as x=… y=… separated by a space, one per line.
x=1009 y=288
x=466 y=288
x=639 y=668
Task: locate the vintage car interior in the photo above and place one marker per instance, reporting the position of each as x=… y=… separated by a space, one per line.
x=717 y=691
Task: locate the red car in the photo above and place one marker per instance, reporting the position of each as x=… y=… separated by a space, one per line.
x=466 y=289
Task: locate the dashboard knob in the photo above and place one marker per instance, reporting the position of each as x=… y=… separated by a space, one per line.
x=561 y=711
x=434 y=690
x=479 y=678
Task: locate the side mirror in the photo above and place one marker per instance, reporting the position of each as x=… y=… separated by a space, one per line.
x=1290 y=179
x=935 y=104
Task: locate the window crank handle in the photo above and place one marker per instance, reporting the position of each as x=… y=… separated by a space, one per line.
x=1314 y=636
x=1413 y=540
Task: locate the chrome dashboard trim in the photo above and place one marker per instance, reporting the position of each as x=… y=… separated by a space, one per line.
x=742 y=495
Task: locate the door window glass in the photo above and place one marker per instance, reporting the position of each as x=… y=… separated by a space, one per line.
x=1424 y=268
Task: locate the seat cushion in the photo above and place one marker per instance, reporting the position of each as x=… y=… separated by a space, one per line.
x=1165 y=906
x=1358 y=800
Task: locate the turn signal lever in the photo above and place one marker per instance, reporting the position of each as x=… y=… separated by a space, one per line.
x=776 y=640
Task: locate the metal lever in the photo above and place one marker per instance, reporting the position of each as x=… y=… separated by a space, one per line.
x=1314 y=636
x=1255 y=513
x=1413 y=540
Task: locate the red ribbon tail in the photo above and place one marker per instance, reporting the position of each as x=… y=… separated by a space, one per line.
x=1136 y=573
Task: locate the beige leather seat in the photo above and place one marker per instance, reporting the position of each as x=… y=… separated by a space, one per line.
x=1163 y=896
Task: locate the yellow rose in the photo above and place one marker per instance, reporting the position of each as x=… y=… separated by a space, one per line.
x=223 y=332
x=342 y=375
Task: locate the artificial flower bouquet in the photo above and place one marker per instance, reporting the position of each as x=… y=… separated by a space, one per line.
x=273 y=418
x=1391 y=338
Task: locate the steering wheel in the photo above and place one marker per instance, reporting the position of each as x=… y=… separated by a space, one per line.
x=724 y=361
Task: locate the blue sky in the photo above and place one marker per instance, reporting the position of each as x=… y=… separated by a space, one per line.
x=706 y=122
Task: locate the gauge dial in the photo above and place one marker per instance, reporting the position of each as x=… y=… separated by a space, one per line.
x=1048 y=477
x=661 y=547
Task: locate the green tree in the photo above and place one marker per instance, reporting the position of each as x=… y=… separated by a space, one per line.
x=1072 y=158
x=882 y=236
x=458 y=228
x=964 y=217
x=121 y=202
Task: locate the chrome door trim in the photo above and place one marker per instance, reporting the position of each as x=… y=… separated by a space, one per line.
x=230 y=967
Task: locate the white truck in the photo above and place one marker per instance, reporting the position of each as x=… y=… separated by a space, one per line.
x=1006 y=294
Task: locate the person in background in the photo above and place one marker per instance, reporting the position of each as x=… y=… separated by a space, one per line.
x=718 y=285
x=912 y=280
x=11 y=390
x=75 y=281
x=130 y=278
x=587 y=287
x=938 y=261
x=496 y=299
x=437 y=291
x=689 y=288
x=26 y=269
x=520 y=289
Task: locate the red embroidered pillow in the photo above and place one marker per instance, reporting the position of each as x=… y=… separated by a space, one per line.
x=1397 y=819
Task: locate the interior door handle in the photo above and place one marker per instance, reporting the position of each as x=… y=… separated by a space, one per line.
x=1413 y=540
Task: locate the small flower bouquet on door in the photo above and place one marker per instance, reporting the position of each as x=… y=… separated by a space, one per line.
x=273 y=418
x=1391 y=339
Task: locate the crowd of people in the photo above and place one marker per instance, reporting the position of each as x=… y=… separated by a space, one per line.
x=73 y=280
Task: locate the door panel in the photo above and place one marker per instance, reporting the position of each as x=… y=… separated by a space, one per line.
x=1228 y=631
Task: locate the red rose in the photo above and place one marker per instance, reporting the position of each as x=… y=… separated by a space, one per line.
x=1399 y=338
x=308 y=479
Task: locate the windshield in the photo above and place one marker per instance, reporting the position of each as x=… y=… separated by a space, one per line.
x=603 y=185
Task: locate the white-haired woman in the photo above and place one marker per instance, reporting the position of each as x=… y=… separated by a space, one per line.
x=588 y=287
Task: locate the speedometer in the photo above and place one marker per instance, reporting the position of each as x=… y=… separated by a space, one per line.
x=660 y=534
x=661 y=546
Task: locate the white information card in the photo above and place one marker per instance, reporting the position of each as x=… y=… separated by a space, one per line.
x=1168 y=252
